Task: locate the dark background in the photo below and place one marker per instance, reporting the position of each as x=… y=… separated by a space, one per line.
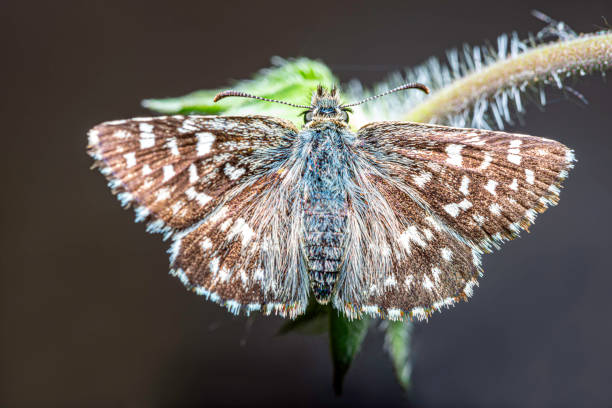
x=89 y=315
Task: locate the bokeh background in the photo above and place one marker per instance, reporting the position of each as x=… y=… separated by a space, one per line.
x=89 y=316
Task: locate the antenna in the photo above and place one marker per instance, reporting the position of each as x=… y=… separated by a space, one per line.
x=226 y=94
x=410 y=85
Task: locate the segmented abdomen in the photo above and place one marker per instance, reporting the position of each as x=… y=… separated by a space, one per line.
x=325 y=221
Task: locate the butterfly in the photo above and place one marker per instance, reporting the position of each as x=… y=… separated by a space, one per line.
x=389 y=221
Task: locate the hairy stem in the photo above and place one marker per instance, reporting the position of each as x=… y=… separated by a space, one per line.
x=543 y=64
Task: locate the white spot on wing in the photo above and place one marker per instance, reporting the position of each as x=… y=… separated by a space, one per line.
x=219 y=214
x=422 y=178
x=473 y=139
x=427 y=283
x=176 y=207
x=490 y=187
x=243 y=277
x=122 y=134
x=243 y=229
x=436 y=272
x=529 y=176
x=93 y=137
x=452 y=209
x=419 y=313
x=130 y=159
x=486 y=161
x=225 y=224
x=147 y=140
x=233 y=172
x=172 y=145
x=163 y=194
x=514 y=152
x=514 y=185
x=193 y=173
x=174 y=250
x=454 y=154
x=214 y=265
x=465 y=204
x=479 y=219
x=468 y=290
x=224 y=274
x=146 y=170
x=465 y=182
x=514 y=158
x=411 y=235
x=205 y=141
x=390 y=281
x=447 y=254
x=188 y=126
x=168 y=172
x=475 y=257
x=554 y=189
x=206 y=244
x=495 y=209
x=435 y=224
x=145 y=127
x=201 y=198
x=394 y=314
x=141 y=213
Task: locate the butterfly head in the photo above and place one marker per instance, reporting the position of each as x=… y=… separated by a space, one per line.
x=325 y=105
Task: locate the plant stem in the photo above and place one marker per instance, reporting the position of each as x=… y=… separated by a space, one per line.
x=545 y=63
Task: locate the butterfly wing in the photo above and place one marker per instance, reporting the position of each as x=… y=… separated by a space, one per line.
x=456 y=193
x=203 y=180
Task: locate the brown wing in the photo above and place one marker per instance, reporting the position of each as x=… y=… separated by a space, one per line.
x=239 y=256
x=454 y=193
x=175 y=170
x=212 y=184
x=487 y=186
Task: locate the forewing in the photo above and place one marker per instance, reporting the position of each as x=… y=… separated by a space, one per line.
x=455 y=193
x=175 y=170
x=486 y=186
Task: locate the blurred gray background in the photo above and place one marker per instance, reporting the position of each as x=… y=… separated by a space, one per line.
x=89 y=316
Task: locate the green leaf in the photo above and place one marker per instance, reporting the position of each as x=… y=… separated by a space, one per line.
x=397 y=345
x=290 y=80
x=313 y=321
x=345 y=338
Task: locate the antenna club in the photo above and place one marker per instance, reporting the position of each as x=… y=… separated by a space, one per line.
x=424 y=88
x=225 y=94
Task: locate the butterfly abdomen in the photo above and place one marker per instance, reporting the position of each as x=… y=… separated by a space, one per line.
x=325 y=212
x=325 y=221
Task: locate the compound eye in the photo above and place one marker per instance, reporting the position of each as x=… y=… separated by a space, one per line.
x=345 y=116
x=308 y=117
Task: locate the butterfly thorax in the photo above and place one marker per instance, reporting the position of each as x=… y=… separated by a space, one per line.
x=324 y=204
